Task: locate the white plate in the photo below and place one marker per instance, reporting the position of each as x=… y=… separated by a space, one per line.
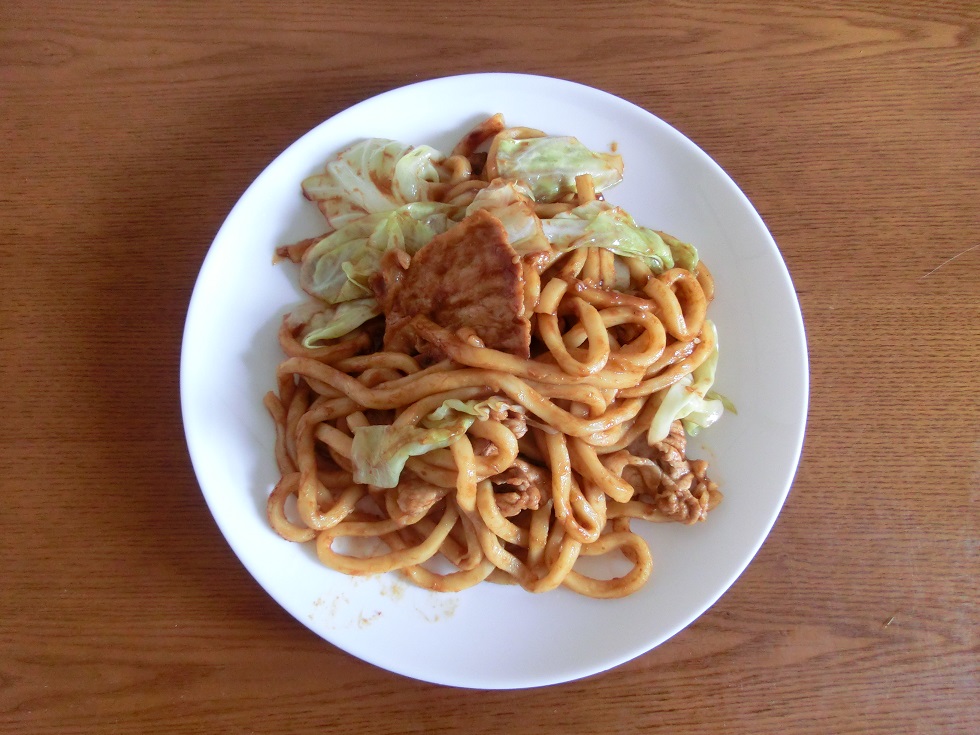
x=500 y=637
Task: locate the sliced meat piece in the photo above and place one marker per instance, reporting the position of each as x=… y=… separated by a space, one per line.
x=415 y=496
x=468 y=277
x=678 y=486
x=530 y=484
x=670 y=453
x=512 y=416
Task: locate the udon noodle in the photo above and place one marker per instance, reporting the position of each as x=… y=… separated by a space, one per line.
x=538 y=459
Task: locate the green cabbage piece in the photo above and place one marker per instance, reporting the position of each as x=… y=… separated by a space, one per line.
x=511 y=203
x=549 y=165
x=414 y=171
x=373 y=175
x=725 y=401
x=452 y=407
x=318 y=322
x=337 y=268
x=688 y=399
x=685 y=254
x=379 y=453
x=599 y=224
x=500 y=193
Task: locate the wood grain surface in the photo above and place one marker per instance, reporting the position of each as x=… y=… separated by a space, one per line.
x=130 y=129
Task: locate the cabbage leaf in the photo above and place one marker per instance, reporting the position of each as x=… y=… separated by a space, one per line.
x=549 y=165
x=688 y=399
x=599 y=224
x=318 y=322
x=337 y=268
x=373 y=175
x=512 y=204
x=685 y=255
x=379 y=452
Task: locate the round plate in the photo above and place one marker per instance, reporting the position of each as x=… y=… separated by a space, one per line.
x=491 y=636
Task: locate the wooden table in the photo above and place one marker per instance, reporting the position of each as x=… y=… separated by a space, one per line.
x=129 y=131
